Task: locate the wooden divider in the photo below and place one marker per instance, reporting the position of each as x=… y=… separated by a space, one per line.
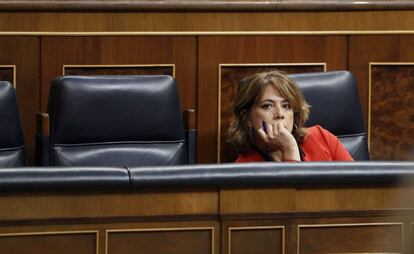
x=315 y=219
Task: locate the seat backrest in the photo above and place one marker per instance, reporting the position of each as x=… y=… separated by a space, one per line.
x=115 y=121
x=12 y=152
x=335 y=105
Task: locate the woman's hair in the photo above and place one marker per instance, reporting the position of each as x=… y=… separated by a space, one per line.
x=251 y=89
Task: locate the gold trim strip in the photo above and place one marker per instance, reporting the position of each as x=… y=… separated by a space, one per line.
x=116 y=65
x=255 y=228
x=208 y=33
x=370 y=64
x=96 y=232
x=157 y=230
x=13 y=66
x=348 y=225
x=247 y=65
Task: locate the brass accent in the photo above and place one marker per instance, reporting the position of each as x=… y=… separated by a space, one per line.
x=370 y=93
x=255 y=228
x=57 y=233
x=207 y=33
x=349 y=225
x=13 y=67
x=247 y=65
x=116 y=65
x=157 y=230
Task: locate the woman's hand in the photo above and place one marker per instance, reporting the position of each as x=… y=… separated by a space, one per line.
x=278 y=142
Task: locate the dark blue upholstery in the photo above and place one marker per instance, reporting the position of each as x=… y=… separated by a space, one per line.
x=63 y=178
x=335 y=105
x=12 y=152
x=217 y=176
x=261 y=174
x=115 y=121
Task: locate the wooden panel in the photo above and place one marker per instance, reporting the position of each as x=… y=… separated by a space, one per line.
x=119 y=70
x=229 y=78
x=180 y=51
x=165 y=241
x=206 y=21
x=186 y=202
x=256 y=240
x=352 y=238
x=253 y=50
x=306 y=200
x=203 y=5
x=23 y=53
x=8 y=73
x=49 y=243
x=390 y=49
x=392 y=111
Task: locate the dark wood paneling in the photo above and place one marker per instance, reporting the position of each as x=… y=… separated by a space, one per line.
x=49 y=243
x=119 y=70
x=392 y=112
x=168 y=241
x=257 y=240
x=7 y=73
x=359 y=238
x=385 y=49
x=253 y=49
x=181 y=51
x=271 y=21
x=24 y=53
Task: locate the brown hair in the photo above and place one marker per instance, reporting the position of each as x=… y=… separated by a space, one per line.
x=250 y=91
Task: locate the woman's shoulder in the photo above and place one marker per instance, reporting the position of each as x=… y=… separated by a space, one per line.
x=318 y=131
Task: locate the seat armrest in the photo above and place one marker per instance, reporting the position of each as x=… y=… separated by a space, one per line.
x=189 y=117
x=42 y=139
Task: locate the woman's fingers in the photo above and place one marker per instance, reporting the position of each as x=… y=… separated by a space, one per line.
x=262 y=134
x=270 y=130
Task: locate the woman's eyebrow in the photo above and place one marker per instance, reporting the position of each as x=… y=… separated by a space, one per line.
x=267 y=100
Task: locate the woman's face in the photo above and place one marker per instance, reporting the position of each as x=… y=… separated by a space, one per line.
x=271 y=108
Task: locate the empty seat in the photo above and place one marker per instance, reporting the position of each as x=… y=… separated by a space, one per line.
x=12 y=153
x=116 y=121
x=335 y=105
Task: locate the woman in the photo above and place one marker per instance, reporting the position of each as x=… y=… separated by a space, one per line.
x=270 y=112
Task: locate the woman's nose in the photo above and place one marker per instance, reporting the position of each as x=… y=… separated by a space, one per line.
x=279 y=117
x=278 y=113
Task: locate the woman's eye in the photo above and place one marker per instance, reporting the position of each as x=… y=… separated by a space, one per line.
x=267 y=106
x=286 y=105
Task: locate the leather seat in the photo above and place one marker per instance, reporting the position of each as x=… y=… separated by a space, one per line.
x=12 y=152
x=335 y=105
x=116 y=121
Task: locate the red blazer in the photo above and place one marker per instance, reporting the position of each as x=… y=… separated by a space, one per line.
x=318 y=145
